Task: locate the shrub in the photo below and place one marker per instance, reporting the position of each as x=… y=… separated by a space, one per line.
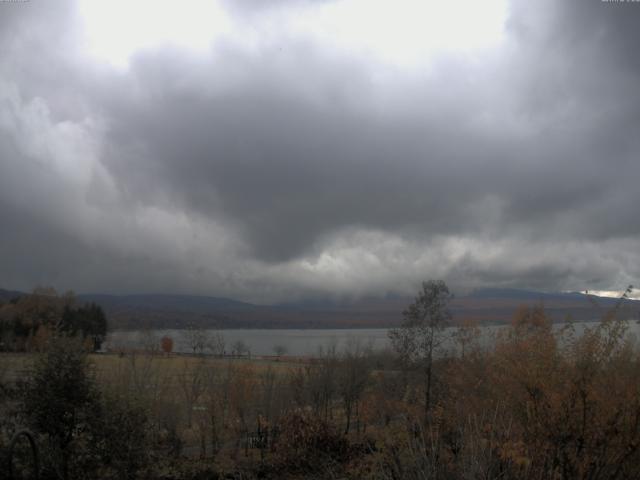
x=82 y=433
x=306 y=444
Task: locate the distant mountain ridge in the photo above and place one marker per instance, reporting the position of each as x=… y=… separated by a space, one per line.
x=6 y=295
x=522 y=294
x=487 y=305
x=187 y=302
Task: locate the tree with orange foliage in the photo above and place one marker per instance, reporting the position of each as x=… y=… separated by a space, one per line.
x=573 y=399
x=166 y=344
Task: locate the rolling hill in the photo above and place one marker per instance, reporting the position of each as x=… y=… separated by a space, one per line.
x=486 y=306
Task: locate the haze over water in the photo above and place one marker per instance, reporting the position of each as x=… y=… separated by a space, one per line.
x=299 y=342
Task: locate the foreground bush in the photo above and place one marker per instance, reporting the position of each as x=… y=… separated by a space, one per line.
x=82 y=433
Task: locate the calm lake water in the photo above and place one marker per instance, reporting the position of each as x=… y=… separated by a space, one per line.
x=295 y=341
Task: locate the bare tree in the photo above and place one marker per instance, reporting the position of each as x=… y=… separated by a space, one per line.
x=319 y=383
x=216 y=343
x=197 y=339
x=422 y=332
x=467 y=336
x=192 y=384
x=242 y=389
x=218 y=381
x=279 y=350
x=240 y=348
x=353 y=377
x=149 y=340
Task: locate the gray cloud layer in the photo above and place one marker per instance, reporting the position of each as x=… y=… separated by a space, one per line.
x=295 y=167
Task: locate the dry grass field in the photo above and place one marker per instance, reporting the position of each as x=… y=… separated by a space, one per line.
x=13 y=365
x=180 y=391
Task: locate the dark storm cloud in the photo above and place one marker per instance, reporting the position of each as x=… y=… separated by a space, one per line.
x=287 y=171
x=296 y=166
x=288 y=168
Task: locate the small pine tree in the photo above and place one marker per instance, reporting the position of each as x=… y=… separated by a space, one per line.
x=60 y=399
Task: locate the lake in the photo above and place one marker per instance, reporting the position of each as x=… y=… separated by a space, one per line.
x=301 y=342
x=258 y=341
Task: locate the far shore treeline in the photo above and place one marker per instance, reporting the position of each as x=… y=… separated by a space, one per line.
x=486 y=306
x=28 y=321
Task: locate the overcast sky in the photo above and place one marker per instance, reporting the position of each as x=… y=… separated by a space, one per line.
x=274 y=150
